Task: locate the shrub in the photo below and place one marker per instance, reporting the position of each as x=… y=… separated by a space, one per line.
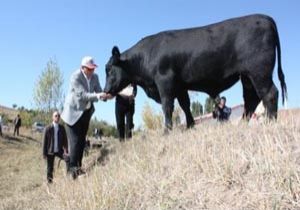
x=151 y=119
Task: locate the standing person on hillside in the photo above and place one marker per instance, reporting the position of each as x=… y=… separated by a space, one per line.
x=222 y=112
x=125 y=110
x=17 y=124
x=78 y=109
x=55 y=143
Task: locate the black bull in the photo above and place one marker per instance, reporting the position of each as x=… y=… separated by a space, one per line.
x=209 y=59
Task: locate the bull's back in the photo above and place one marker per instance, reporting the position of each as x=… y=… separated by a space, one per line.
x=193 y=40
x=208 y=55
x=197 y=49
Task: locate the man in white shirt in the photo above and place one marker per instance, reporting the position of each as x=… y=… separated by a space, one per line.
x=55 y=143
x=124 y=111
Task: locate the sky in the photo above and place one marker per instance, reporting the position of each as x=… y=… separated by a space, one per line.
x=34 y=31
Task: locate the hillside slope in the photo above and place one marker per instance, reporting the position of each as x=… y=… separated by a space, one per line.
x=209 y=167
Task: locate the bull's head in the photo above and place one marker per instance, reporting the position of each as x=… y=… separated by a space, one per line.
x=116 y=76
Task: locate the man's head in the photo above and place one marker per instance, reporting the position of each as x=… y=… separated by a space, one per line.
x=88 y=65
x=56 y=117
x=223 y=101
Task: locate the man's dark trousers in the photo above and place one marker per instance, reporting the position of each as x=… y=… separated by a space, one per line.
x=16 y=130
x=77 y=138
x=50 y=165
x=124 y=109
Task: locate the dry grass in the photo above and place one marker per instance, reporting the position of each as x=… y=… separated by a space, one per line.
x=209 y=167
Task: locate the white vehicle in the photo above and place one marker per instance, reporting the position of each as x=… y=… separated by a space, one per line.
x=38 y=127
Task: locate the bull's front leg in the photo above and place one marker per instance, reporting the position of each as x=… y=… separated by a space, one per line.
x=168 y=107
x=166 y=86
x=184 y=102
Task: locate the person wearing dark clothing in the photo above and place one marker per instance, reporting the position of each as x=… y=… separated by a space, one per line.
x=98 y=133
x=17 y=123
x=124 y=111
x=55 y=144
x=221 y=111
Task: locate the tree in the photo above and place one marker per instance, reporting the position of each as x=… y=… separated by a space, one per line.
x=14 y=106
x=209 y=105
x=48 y=89
x=197 y=108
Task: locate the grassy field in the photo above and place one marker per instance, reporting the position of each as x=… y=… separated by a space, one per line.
x=209 y=167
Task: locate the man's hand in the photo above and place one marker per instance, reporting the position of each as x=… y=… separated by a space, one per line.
x=102 y=96
x=109 y=96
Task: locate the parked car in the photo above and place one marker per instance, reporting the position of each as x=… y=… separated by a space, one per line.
x=38 y=127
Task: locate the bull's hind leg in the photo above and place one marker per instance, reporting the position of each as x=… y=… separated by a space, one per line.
x=269 y=93
x=168 y=108
x=270 y=101
x=251 y=98
x=184 y=102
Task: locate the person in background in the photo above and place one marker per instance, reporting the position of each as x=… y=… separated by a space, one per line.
x=221 y=111
x=124 y=111
x=98 y=133
x=78 y=110
x=17 y=124
x=55 y=144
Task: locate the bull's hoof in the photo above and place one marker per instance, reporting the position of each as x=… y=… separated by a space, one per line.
x=190 y=126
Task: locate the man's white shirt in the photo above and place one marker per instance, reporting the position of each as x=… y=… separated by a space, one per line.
x=55 y=125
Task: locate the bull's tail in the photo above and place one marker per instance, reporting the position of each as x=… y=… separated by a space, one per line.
x=280 y=72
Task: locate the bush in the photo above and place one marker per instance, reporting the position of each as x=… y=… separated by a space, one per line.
x=151 y=119
x=107 y=129
x=30 y=116
x=5 y=118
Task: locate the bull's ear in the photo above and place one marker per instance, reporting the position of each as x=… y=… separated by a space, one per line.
x=115 y=52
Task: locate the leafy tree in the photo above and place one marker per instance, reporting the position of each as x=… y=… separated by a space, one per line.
x=209 y=105
x=14 y=106
x=48 y=94
x=22 y=108
x=197 y=108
